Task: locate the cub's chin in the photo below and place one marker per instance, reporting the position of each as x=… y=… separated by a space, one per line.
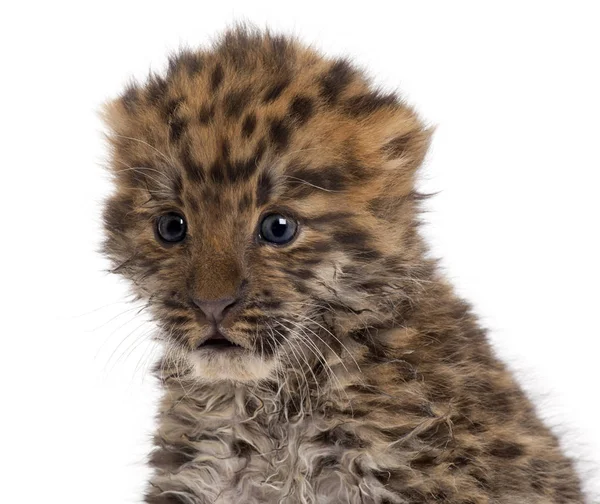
x=232 y=364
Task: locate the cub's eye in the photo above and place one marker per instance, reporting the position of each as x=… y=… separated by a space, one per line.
x=277 y=229
x=171 y=227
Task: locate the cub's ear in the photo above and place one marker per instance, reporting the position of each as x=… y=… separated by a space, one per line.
x=116 y=116
x=402 y=137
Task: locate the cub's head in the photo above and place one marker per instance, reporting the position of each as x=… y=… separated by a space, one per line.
x=264 y=205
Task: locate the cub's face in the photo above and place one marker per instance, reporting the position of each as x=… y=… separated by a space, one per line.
x=263 y=204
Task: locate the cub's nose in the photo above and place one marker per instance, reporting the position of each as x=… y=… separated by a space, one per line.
x=215 y=310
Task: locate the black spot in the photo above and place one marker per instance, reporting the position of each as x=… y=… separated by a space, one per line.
x=217 y=172
x=171 y=106
x=358 y=241
x=243 y=170
x=336 y=80
x=191 y=62
x=156 y=89
x=235 y=102
x=275 y=91
x=206 y=113
x=263 y=189
x=193 y=169
x=368 y=103
x=216 y=78
x=249 y=125
x=176 y=128
x=279 y=133
x=303 y=181
x=505 y=449
x=280 y=54
x=301 y=109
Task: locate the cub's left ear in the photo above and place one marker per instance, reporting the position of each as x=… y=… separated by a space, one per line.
x=402 y=141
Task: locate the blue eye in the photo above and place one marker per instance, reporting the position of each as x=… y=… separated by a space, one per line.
x=277 y=229
x=171 y=227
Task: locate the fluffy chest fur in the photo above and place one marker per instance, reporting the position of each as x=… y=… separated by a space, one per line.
x=238 y=446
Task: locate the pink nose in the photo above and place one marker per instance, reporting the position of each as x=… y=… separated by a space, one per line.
x=215 y=310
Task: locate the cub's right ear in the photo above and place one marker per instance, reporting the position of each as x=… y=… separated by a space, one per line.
x=117 y=116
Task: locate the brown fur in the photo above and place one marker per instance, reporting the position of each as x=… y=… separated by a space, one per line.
x=363 y=378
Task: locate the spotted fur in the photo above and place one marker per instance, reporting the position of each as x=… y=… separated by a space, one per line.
x=364 y=378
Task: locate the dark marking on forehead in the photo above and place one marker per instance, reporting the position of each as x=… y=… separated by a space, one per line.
x=264 y=187
x=275 y=90
x=368 y=103
x=335 y=81
x=279 y=133
x=397 y=146
x=193 y=169
x=217 y=172
x=301 y=109
x=207 y=112
x=236 y=101
x=243 y=170
x=216 y=78
x=249 y=125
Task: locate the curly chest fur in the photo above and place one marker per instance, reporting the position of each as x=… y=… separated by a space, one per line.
x=242 y=449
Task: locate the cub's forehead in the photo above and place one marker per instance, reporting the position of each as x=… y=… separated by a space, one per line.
x=263 y=109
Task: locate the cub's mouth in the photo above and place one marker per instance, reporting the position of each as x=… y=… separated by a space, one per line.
x=218 y=341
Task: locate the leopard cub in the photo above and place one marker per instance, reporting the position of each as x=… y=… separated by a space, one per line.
x=265 y=210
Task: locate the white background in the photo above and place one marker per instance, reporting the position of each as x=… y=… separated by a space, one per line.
x=514 y=91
